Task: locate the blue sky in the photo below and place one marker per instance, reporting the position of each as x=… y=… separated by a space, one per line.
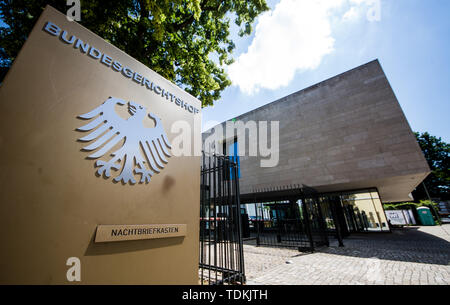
x=411 y=39
x=319 y=39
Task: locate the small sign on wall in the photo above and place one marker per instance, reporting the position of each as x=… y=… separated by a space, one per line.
x=396 y=217
x=111 y=233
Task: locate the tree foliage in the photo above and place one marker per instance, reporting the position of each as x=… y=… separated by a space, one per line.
x=437 y=154
x=186 y=41
x=410 y=205
x=433 y=206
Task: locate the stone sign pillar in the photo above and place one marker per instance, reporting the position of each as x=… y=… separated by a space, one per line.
x=93 y=187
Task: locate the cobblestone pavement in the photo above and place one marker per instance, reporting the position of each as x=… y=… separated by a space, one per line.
x=409 y=256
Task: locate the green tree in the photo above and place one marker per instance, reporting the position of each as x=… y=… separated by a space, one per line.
x=185 y=41
x=437 y=154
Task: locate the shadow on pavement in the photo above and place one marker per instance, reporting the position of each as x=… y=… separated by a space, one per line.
x=408 y=244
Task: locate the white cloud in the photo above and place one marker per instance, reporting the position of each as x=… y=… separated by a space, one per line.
x=294 y=36
x=360 y=1
x=351 y=14
x=372 y=7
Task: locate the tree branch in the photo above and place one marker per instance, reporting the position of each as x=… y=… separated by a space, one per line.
x=190 y=19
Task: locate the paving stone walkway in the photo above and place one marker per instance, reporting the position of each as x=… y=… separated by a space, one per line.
x=408 y=256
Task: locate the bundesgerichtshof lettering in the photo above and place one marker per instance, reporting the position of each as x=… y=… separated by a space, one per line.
x=143 y=231
x=94 y=53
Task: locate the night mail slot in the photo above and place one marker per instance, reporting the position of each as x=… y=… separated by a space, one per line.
x=109 y=233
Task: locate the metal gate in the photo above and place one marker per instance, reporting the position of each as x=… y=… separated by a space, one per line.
x=295 y=223
x=221 y=249
x=290 y=216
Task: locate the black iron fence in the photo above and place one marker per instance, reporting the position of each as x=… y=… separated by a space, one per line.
x=296 y=217
x=295 y=223
x=279 y=224
x=293 y=216
x=221 y=249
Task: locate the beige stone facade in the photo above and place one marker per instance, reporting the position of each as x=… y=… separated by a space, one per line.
x=346 y=133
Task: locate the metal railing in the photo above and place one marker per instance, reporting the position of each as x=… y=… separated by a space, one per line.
x=221 y=248
x=289 y=223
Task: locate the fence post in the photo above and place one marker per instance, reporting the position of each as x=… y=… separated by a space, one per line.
x=238 y=211
x=322 y=225
x=308 y=224
x=256 y=224
x=337 y=223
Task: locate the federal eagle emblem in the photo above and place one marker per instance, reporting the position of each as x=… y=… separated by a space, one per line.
x=139 y=143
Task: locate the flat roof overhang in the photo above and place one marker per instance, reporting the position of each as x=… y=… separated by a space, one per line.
x=390 y=189
x=278 y=193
